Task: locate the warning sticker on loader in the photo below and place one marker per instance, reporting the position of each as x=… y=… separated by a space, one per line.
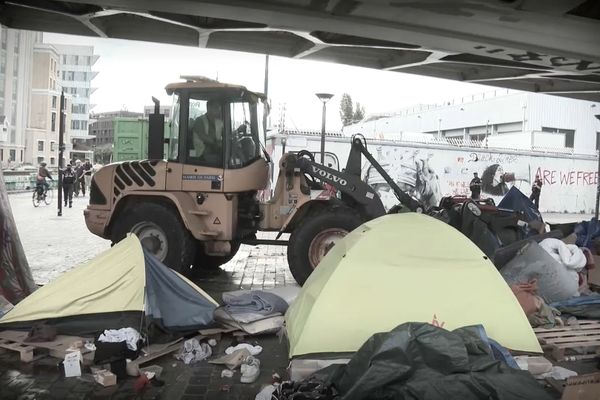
x=217 y=221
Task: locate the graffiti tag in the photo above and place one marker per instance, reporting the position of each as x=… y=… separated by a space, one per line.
x=568 y=178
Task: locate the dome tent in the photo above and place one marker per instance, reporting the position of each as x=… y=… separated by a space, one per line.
x=123 y=287
x=402 y=268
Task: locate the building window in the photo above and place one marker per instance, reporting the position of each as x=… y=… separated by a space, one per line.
x=21 y=155
x=12 y=155
x=597 y=140
x=53 y=122
x=52 y=161
x=40 y=160
x=64 y=58
x=1 y=154
x=53 y=101
x=52 y=146
x=569 y=135
x=40 y=145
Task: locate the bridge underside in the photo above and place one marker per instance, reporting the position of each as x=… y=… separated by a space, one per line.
x=546 y=46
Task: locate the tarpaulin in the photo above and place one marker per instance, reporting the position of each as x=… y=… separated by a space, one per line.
x=422 y=361
x=517 y=201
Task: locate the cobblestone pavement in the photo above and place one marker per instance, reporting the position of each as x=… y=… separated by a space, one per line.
x=54 y=245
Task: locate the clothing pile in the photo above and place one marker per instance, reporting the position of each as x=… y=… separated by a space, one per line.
x=115 y=347
x=550 y=278
x=257 y=311
x=242 y=355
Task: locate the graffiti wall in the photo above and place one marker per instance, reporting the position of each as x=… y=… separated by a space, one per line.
x=569 y=182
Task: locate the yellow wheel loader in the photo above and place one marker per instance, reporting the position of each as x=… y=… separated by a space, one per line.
x=194 y=207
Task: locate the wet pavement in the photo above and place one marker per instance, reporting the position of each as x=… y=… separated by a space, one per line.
x=55 y=245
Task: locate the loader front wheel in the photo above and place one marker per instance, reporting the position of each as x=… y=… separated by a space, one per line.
x=315 y=236
x=160 y=232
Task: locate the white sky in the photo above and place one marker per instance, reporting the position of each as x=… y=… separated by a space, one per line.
x=130 y=72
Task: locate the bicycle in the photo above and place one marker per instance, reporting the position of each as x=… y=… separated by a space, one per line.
x=41 y=194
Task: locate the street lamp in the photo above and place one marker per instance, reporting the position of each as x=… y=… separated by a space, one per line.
x=324 y=97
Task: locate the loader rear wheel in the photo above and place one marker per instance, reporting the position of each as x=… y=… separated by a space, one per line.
x=315 y=236
x=160 y=232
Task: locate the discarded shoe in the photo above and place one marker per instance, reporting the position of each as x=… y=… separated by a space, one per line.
x=250 y=370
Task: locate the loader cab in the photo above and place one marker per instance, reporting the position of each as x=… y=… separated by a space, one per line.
x=215 y=126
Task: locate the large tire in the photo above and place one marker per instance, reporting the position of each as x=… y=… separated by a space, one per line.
x=314 y=237
x=160 y=231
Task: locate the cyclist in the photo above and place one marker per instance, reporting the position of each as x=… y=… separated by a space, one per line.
x=41 y=182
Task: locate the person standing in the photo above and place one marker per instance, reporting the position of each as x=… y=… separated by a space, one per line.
x=87 y=174
x=475 y=186
x=68 y=181
x=79 y=179
x=536 y=190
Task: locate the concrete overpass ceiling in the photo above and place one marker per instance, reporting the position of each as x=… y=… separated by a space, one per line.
x=548 y=46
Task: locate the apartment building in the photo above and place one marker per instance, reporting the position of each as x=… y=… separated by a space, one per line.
x=16 y=67
x=75 y=73
x=102 y=126
x=44 y=113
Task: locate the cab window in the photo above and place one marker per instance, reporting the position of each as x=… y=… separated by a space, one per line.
x=206 y=131
x=244 y=145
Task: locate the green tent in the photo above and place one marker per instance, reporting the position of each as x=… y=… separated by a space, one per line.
x=125 y=286
x=403 y=268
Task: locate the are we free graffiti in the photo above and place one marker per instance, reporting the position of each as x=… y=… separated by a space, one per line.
x=568 y=177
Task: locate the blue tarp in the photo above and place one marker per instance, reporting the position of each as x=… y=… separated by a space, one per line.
x=516 y=200
x=586 y=232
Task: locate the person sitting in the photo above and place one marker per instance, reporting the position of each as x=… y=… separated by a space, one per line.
x=207 y=131
x=41 y=182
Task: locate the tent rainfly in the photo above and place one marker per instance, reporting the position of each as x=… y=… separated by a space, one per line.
x=123 y=287
x=402 y=268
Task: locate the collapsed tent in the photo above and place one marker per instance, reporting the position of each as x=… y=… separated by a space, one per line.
x=420 y=361
x=403 y=268
x=122 y=287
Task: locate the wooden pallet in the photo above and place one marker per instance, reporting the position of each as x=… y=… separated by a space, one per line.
x=25 y=351
x=561 y=339
x=15 y=341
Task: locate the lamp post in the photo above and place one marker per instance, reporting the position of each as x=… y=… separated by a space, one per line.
x=324 y=97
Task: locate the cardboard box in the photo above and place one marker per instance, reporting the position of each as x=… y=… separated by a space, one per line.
x=583 y=387
x=72 y=364
x=105 y=378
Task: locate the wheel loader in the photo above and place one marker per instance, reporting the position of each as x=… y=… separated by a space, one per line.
x=193 y=202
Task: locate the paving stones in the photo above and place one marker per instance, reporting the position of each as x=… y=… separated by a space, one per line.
x=253 y=267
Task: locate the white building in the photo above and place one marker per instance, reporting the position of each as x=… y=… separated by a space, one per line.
x=75 y=72
x=501 y=118
x=16 y=54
